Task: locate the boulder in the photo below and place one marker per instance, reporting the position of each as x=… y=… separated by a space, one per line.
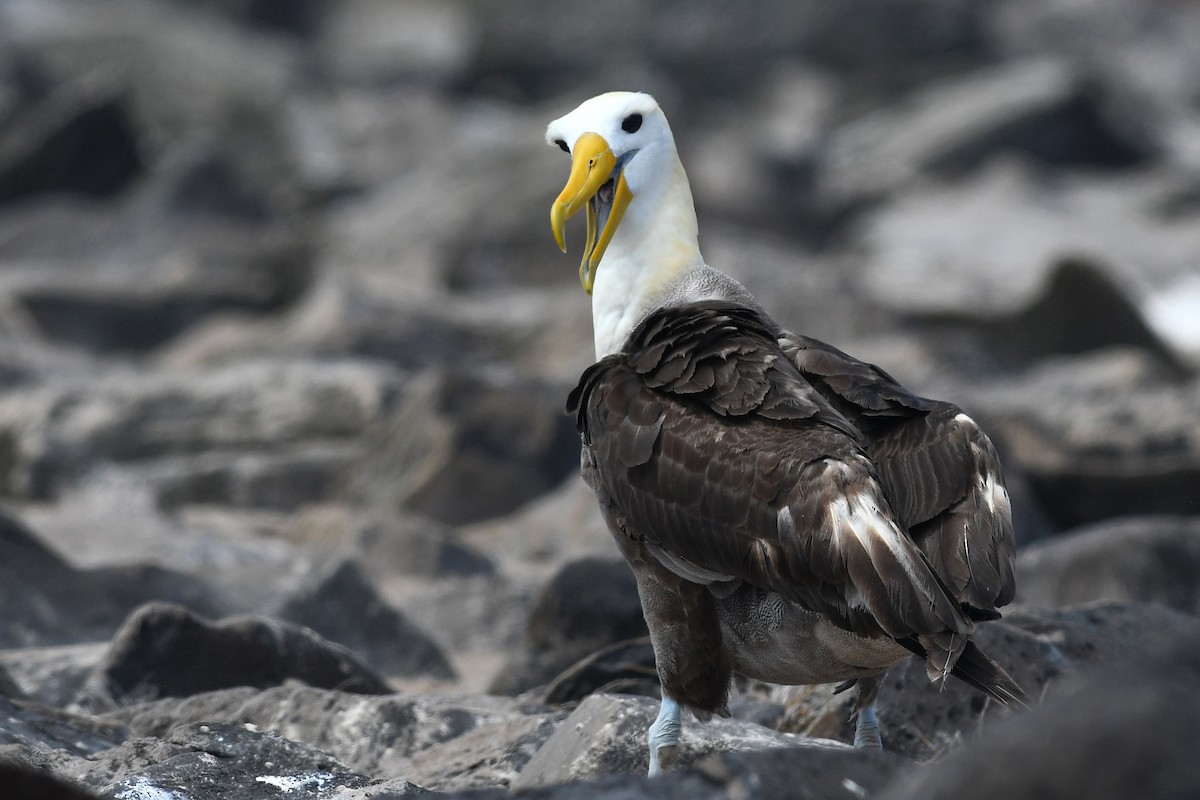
x=164 y=650
x=55 y=433
x=215 y=760
x=342 y=605
x=45 y=600
x=281 y=481
x=121 y=280
x=8 y=686
x=1098 y=435
x=482 y=617
x=51 y=675
x=606 y=735
x=384 y=736
x=1038 y=107
x=539 y=49
x=32 y=727
x=383 y=44
x=1043 y=649
x=79 y=140
x=989 y=244
x=30 y=783
x=1141 y=559
x=801 y=772
x=589 y=604
x=561 y=525
x=1126 y=731
x=488 y=756
x=461 y=446
x=411 y=544
x=300 y=18
x=623 y=668
x=1080 y=309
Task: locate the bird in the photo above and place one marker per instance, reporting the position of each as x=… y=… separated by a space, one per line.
x=791 y=513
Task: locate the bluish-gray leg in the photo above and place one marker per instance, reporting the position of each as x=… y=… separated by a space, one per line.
x=866 y=728
x=866 y=723
x=664 y=736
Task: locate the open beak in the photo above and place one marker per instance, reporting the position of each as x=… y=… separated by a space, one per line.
x=606 y=195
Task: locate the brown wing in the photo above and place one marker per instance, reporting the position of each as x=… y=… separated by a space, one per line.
x=939 y=470
x=714 y=449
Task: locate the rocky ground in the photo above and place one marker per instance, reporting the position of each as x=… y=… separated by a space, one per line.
x=290 y=505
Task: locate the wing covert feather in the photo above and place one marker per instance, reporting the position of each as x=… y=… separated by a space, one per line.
x=762 y=479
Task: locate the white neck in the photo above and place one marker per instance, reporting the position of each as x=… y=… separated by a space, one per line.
x=656 y=246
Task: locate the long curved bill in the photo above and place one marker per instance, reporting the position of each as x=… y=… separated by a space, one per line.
x=592 y=166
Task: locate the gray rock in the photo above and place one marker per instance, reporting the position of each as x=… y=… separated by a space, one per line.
x=343 y=606
x=1080 y=309
x=1043 y=649
x=801 y=772
x=488 y=756
x=49 y=675
x=606 y=735
x=215 y=560
x=476 y=615
x=8 y=686
x=29 y=783
x=166 y=651
x=301 y=18
x=1126 y=731
x=462 y=446
x=133 y=585
x=57 y=432
x=781 y=773
x=562 y=525
x=275 y=481
x=539 y=48
x=385 y=44
x=753 y=163
x=1145 y=45
x=624 y=668
x=36 y=727
x=79 y=140
x=411 y=544
x=990 y=243
x=1092 y=636
x=127 y=280
x=589 y=604
x=1098 y=435
x=401 y=245
x=46 y=601
x=218 y=760
x=1143 y=559
x=382 y=736
x=920 y=721
x=1037 y=107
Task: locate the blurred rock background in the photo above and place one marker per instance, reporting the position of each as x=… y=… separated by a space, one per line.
x=284 y=343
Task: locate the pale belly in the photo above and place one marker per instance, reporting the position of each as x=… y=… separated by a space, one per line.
x=775 y=640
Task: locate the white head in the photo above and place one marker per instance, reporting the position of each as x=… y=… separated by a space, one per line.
x=624 y=163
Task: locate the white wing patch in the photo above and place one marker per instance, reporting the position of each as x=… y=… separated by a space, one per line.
x=858 y=515
x=996 y=495
x=785 y=523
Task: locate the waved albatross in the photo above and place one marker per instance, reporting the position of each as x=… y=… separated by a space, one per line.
x=791 y=513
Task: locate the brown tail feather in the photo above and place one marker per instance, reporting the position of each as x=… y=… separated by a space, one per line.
x=976 y=669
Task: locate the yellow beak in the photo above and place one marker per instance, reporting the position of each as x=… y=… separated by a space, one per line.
x=592 y=165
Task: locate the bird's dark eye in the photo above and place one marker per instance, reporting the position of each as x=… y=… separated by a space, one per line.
x=562 y=145
x=632 y=123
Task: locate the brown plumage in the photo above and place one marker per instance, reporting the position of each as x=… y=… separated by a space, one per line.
x=744 y=454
